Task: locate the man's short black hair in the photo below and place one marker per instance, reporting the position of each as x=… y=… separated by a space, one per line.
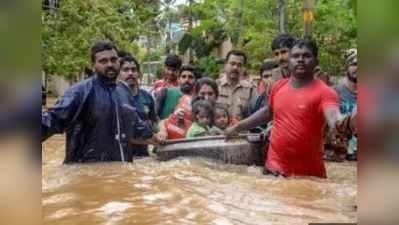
x=123 y=53
x=236 y=52
x=192 y=69
x=173 y=61
x=268 y=65
x=100 y=46
x=308 y=43
x=130 y=58
x=283 y=41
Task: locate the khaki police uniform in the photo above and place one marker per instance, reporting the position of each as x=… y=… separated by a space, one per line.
x=236 y=99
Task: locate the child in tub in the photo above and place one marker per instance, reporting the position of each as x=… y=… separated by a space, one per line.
x=221 y=120
x=202 y=115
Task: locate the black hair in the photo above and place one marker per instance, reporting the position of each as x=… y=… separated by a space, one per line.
x=208 y=81
x=202 y=104
x=192 y=69
x=224 y=109
x=130 y=58
x=173 y=61
x=100 y=46
x=89 y=72
x=308 y=43
x=283 y=41
x=268 y=65
x=236 y=52
x=123 y=53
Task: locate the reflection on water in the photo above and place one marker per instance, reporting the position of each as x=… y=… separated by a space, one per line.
x=189 y=191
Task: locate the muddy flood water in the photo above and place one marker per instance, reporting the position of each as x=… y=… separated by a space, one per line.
x=189 y=191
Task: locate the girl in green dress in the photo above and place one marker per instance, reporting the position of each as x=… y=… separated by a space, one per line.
x=202 y=113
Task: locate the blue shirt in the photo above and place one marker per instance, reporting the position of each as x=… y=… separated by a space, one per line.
x=144 y=103
x=145 y=106
x=347 y=99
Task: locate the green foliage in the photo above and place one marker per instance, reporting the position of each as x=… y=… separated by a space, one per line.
x=154 y=55
x=203 y=38
x=210 y=66
x=252 y=25
x=334 y=29
x=69 y=32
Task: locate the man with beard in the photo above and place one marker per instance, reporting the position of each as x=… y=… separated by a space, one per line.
x=347 y=92
x=97 y=116
x=167 y=98
x=235 y=94
x=130 y=76
x=265 y=73
x=299 y=106
x=281 y=46
x=261 y=100
x=178 y=103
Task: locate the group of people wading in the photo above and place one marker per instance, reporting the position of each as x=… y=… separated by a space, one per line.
x=109 y=117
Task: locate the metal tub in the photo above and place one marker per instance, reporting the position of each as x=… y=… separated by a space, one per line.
x=245 y=149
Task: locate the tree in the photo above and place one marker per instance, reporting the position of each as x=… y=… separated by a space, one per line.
x=70 y=30
x=334 y=29
x=252 y=27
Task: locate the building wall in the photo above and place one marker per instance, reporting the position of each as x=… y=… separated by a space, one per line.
x=57 y=85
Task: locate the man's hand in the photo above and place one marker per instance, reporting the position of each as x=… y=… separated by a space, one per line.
x=179 y=114
x=337 y=122
x=343 y=125
x=156 y=139
x=337 y=145
x=231 y=132
x=338 y=139
x=160 y=137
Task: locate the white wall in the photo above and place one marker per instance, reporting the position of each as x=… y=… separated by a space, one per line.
x=57 y=85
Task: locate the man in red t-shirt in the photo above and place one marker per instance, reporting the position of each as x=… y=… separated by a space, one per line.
x=299 y=106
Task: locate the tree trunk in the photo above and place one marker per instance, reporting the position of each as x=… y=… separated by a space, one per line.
x=281 y=16
x=190 y=27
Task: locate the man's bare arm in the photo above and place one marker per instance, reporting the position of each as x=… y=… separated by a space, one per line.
x=337 y=122
x=261 y=116
x=154 y=140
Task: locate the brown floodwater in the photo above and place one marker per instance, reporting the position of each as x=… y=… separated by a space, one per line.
x=189 y=191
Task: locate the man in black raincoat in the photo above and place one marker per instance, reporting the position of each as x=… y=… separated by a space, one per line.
x=98 y=116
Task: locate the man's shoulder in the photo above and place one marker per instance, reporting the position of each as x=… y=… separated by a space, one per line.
x=82 y=86
x=324 y=90
x=280 y=83
x=145 y=95
x=122 y=84
x=173 y=90
x=222 y=80
x=277 y=74
x=323 y=86
x=144 y=92
x=247 y=84
x=340 y=87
